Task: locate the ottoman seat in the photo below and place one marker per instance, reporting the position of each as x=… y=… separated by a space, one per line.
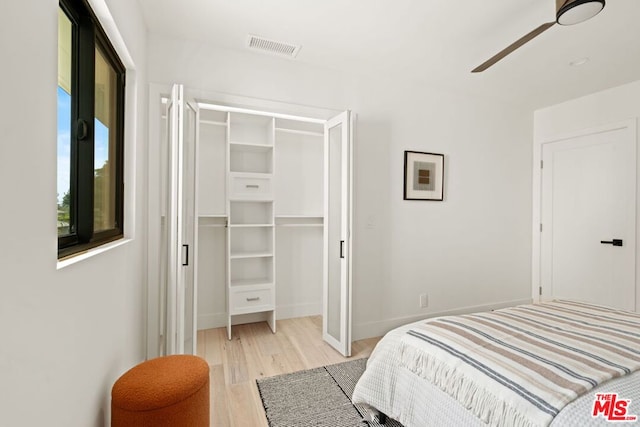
x=166 y=391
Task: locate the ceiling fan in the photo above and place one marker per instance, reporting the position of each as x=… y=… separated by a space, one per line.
x=568 y=12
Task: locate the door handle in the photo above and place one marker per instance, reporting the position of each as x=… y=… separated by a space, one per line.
x=82 y=130
x=614 y=242
x=341 y=248
x=185 y=255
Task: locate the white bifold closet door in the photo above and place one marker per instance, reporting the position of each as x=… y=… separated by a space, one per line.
x=179 y=238
x=336 y=319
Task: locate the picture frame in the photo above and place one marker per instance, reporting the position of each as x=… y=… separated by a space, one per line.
x=423 y=176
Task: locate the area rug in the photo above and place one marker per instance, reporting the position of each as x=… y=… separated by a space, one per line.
x=318 y=397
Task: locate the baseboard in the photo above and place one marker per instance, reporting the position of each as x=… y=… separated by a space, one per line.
x=298 y=310
x=219 y=320
x=212 y=320
x=359 y=331
x=381 y=327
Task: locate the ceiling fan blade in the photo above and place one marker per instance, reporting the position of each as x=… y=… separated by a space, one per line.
x=513 y=46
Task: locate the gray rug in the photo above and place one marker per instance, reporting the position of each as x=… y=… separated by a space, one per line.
x=318 y=397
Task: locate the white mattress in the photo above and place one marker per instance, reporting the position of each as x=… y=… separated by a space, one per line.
x=415 y=402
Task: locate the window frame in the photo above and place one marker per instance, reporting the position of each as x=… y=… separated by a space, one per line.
x=87 y=36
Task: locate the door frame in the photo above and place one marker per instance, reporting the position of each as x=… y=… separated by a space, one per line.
x=536 y=218
x=152 y=296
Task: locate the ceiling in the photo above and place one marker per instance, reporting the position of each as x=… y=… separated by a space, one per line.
x=430 y=41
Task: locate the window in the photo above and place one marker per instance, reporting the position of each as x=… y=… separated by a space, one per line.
x=91 y=81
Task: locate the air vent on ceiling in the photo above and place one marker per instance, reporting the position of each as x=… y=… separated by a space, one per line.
x=272 y=46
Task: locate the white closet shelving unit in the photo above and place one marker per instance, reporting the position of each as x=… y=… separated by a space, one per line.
x=273 y=210
x=251 y=235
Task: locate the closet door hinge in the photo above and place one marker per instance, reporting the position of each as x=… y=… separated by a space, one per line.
x=541 y=164
x=540 y=290
x=541 y=227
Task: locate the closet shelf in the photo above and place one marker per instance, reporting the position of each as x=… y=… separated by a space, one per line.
x=249 y=147
x=251 y=283
x=249 y=225
x=212 y=221
x=299 y=221
x=244 y=174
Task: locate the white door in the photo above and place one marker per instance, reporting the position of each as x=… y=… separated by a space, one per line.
x=187 y=285
x=589 y=218
x=179 y=244
x=336 y=319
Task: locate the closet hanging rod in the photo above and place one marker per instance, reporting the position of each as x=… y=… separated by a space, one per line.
x=213 y=122
x=300 y=225
x=299 y=132
x=215 y=107
x=320 y=216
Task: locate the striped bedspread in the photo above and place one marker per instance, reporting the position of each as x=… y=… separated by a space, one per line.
x=520 y=366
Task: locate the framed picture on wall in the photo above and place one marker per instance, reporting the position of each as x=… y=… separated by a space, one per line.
x=423 y=176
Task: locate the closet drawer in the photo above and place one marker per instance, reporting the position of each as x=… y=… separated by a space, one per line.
x=251 y=301
x=250 y=187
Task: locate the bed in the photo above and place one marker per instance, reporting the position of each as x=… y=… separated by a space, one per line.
x=529 y=365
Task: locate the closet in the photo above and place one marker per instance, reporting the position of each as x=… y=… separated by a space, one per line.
x=255 y=219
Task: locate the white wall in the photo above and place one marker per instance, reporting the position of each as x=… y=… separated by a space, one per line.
x=592 y=111
x=472 y=250
x=65 y=334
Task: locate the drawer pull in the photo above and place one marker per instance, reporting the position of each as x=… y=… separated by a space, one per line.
x=253 y=299
x=252 y=186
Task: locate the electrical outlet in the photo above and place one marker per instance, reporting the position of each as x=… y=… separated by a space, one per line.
x=424 y=301
x=372 y=222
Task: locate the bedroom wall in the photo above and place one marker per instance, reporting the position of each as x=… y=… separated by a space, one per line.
x=65 y=334
x=472 y=250
x=602 y=108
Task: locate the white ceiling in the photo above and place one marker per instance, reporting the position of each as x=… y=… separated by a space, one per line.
x=434 y=41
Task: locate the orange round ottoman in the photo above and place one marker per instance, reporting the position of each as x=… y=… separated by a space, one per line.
x=171 y=391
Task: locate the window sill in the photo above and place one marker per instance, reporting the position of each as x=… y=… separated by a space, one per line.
x=91 y=253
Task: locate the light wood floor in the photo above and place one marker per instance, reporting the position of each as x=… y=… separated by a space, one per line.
x=255 y=352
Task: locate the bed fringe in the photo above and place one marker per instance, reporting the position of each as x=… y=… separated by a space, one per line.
x=479 y=401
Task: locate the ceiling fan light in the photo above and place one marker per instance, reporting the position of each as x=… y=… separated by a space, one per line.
x=576 y=11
